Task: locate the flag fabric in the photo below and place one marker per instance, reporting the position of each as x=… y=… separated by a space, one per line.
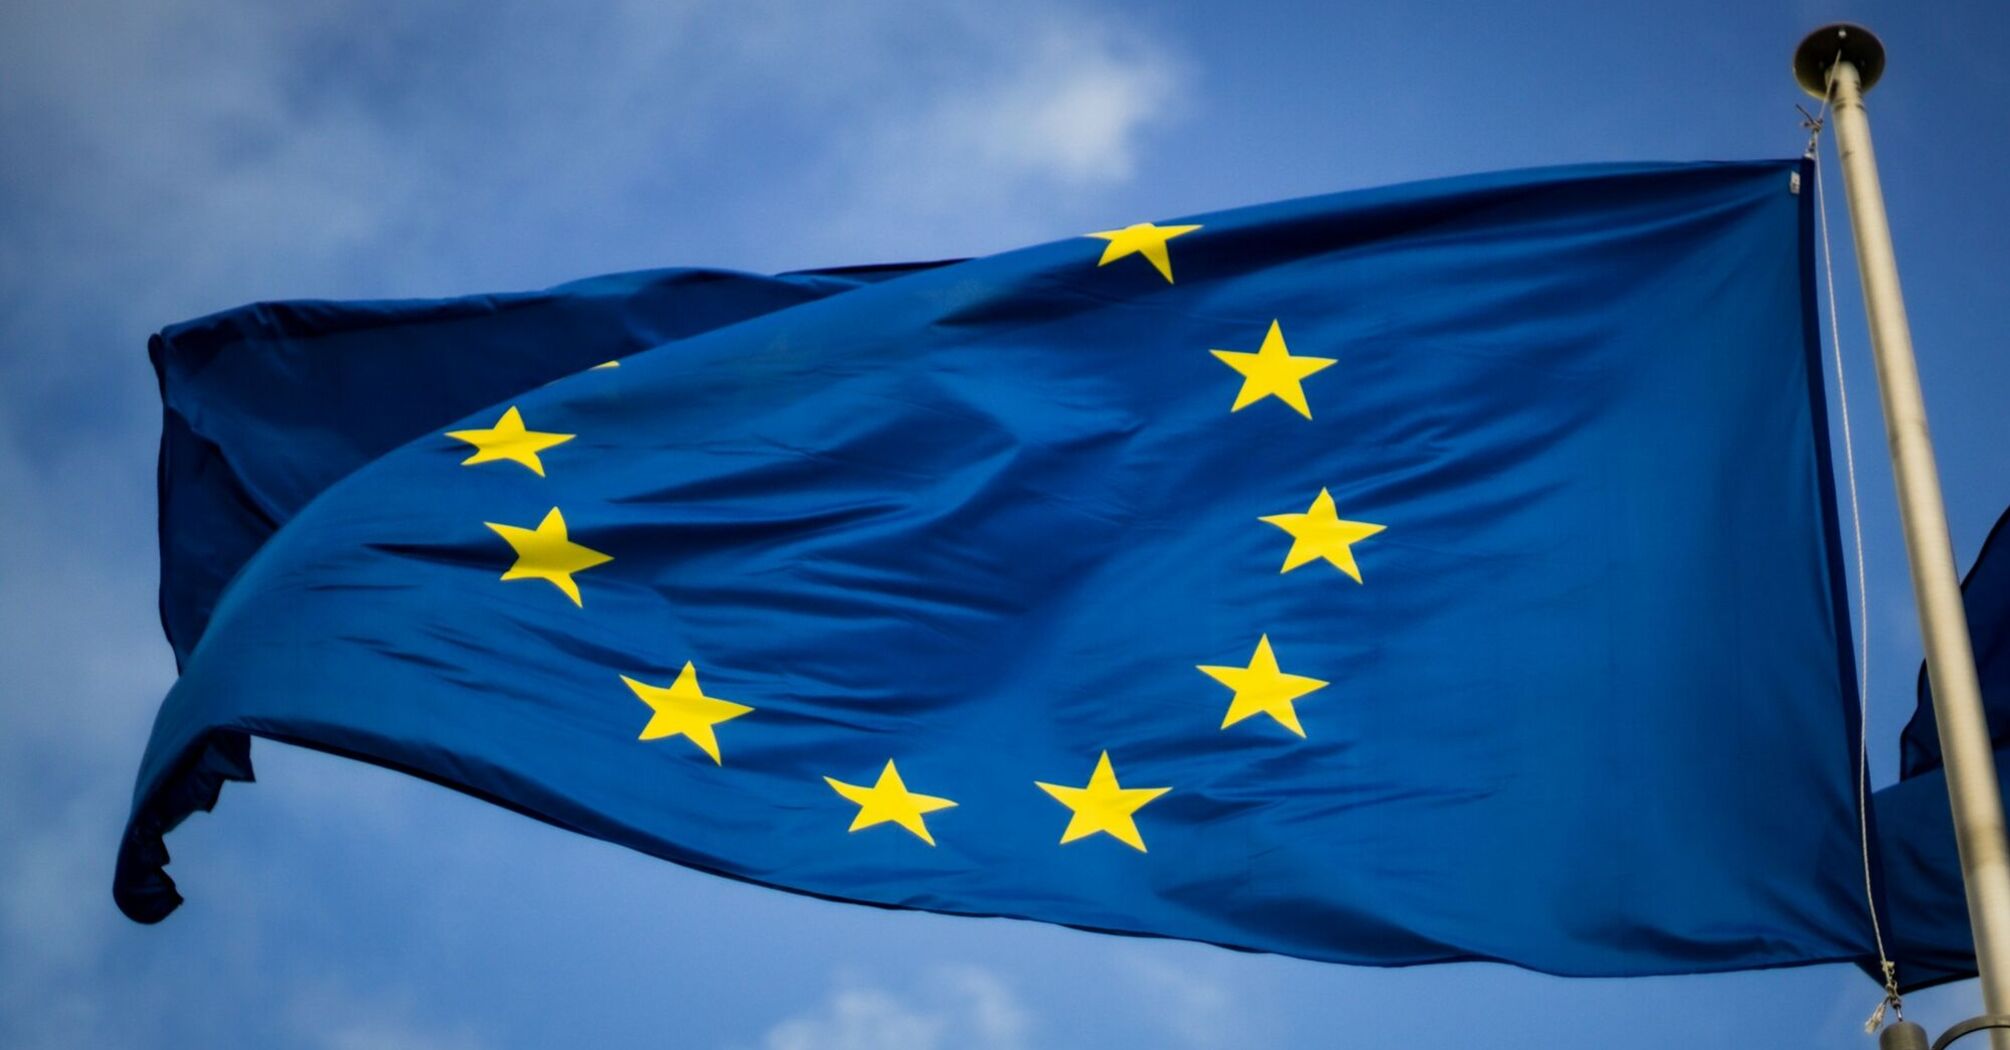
x=1431 y=573
x=1985 y=591
x=1925 y=906
x=1931 y=938
x=266 y=405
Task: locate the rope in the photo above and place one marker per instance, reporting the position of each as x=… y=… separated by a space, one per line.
x=1814 y=123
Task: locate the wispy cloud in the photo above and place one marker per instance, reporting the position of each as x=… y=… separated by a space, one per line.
x=1021 y=146
x=327 y=1015
x=1189 y=1000
x=957 y=1007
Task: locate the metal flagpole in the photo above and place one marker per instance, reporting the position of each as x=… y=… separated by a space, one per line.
x=1849 y=60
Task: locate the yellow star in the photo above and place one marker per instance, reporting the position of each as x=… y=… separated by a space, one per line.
x=889 y=800
x=1261 y=688
x=1103 y=805
x=684 y=710
x=509 y=440
x=547 y=553
x=605 y=365
x=1142 y=239
x=1272 y=371
x=1320 y=533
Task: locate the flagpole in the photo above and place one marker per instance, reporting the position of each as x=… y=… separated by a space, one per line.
x=1853 y=59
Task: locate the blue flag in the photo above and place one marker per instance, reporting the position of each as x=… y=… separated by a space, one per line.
x=1440 y=572
x=1932 y=941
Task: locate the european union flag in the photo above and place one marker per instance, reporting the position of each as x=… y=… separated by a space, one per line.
x=1438 y=572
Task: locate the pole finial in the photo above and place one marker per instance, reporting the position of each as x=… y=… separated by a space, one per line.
x=1845 y=41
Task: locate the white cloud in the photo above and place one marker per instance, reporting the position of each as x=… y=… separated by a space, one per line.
x=1191 y=1006
x=993 y=1011
x=1021 y=148
x=953 y=1009
x=860 y=1019
x=1067 y=109
x=328 y=1016
x=1073 y=112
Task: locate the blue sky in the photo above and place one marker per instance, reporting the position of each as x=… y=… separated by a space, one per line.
x=168 y=159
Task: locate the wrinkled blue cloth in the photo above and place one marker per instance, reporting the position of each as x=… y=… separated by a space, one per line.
x=266 y=405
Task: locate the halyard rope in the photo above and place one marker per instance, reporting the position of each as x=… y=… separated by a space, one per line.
x=1891 y=999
